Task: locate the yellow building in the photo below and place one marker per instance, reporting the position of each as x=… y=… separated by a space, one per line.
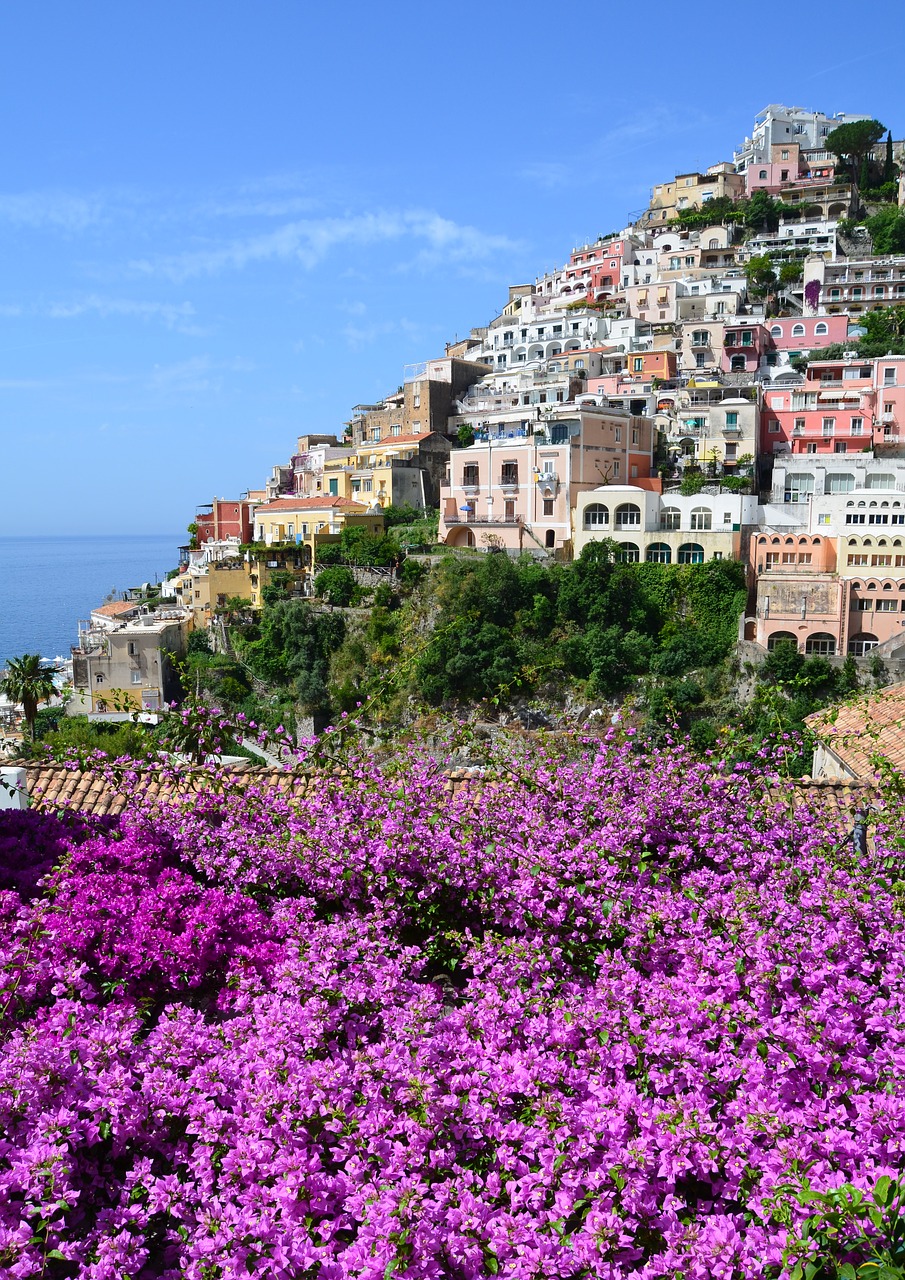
x=305 y=521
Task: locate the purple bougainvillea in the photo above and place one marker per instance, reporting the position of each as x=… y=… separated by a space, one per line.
x=812 y=294
x=581 y=1022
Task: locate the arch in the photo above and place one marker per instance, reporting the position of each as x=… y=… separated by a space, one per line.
x=778 y=637
x=821 y=330
x=460 y=537
x=871 y=586
x=821 y=642
x=856 y=586
x=550 y=538
x=659 y=553
x=797 y=330
x=790 y=542
x=774 y=542
x=690 y=553
x=701 y=518
x=671 y=519
x=762 y=540
x=596 y=515
x=887 y=586
x=628 y=553
x=815 y=542
x=627 y=516
x=862 y=643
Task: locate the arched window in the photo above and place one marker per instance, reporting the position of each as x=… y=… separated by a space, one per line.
x=780 y=637
x=628 y=516
x=880 y=480
x=776 y=331
x=701 y=518
x=596 y=515
x=762 y=174
x=790 y=542
x=887 y=586
x=690 y=553
x=820 y=330
x=659 y=553
x=737 y=364
x=671 y=518
x=713 y=244
x=840 y=482
x=797 y=330
x=821 y=643
x=628 y=553
x=862 y=643
x=871 y=586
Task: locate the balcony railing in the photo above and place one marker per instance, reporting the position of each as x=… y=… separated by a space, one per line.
x=469 y=517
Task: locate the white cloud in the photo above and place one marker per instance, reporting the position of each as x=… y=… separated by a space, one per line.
x=309 y=241
x=198 y=374
x=175 y=315
x=51 y=209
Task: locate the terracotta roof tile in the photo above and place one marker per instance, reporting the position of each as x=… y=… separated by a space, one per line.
x=310 y=504
x=859 y=731
x=116 y=607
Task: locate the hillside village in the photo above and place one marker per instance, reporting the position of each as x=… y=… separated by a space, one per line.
x=723 y=379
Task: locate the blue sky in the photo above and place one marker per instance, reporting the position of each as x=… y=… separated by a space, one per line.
x=224 y=224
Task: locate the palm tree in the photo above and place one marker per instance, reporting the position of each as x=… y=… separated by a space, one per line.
x=28 y=683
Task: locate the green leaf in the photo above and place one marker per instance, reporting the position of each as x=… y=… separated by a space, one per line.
x=882 y=1190
x=875 y=1216
x=847 y=1271
x=390 y=1267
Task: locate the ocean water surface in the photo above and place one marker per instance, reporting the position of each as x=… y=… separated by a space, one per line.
x=48 y=584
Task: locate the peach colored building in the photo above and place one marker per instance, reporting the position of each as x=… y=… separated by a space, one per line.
x=517 y=490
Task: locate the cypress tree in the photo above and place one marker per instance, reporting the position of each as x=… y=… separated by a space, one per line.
x=888 y=170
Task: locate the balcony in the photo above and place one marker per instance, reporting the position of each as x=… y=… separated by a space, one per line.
x=888 y=416
x=508 y=481
x=469 y=517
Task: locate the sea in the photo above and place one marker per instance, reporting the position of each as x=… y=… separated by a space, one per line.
x=48 y=583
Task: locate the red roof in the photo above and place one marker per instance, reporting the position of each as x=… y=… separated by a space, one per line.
x=311 y=504
x=115 y=608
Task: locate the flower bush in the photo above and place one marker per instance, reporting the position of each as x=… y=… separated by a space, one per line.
x=593 y=1017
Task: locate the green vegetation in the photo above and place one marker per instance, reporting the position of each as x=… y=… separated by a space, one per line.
x=337 y=585
x=852 y=143
x=28 y=683
x=356 y=546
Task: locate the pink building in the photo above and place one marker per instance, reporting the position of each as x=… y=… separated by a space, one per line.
x=518 y=490
x=807 y=333
x=803 y=598
x=844 y=406
x=745 y=344
x=786 y=167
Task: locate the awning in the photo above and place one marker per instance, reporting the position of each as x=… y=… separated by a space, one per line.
x=832 y=395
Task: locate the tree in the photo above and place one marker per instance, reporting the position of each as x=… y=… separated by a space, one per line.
x=465 y=435
x=337 y=585
x=889 y=169
x=762 y=212
x=853 y=142
x=28 y=683
x=760 y=274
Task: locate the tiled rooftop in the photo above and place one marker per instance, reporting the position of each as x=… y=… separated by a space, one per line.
x=873 y=725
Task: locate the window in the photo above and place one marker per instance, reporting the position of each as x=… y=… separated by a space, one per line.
x=509 y=473
x=889 y=377
x=701 y=518
x=637 y=364
x=628 y=516
x=628 y=553
x=855 y=517
x=334 y=488
x=820 y=330
x=548 y=506
x=829 y=426
x=856 y=426
x=762 y=175
x=136 y=675
x=861 y=644
x=617 y=434
x=470 y=475
x=670 y=518
x=731 y=419
x=857 y=558
x=886 y=606
x=840 y=482
x=820 y=643
x=878 y=517
x=799 y=487
x=375 y=433
x=810 y=448
x=99 y=677
x=797 y=330
x=691 y=553
x=659 y=553
x=133 y=648
x=862 y=606
x=781 y=637
x=823 y=518
x=596 y=515
x=798 y=426
x=880 y=480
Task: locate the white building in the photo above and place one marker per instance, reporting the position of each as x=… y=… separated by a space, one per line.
x=665 y=528
x=777 y=124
